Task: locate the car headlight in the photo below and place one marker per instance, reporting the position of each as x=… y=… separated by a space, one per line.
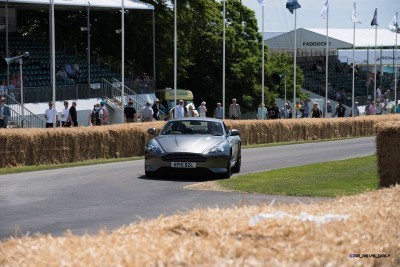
x=215 y=149
x=154 y=147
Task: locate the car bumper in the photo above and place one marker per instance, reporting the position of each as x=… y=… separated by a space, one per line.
x=215 y=164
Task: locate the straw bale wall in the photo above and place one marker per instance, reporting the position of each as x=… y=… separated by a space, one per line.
x=62 y=145
x=388 y=153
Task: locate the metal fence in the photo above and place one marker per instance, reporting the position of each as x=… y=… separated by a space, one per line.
x=20 y=116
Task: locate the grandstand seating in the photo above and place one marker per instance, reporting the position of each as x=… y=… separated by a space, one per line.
x=339 y=77
x=36 y=69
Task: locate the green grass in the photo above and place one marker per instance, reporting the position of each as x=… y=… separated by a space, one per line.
x=19 y=169
x=328 y=179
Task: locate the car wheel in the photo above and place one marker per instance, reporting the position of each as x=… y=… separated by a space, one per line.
x=228 y=173
x=238 y=164
x=149 y=174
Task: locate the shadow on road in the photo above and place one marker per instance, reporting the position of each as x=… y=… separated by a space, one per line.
x=180 y=178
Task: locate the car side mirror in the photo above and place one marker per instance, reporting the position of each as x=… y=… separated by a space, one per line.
x=152 y=131
x=234 y=132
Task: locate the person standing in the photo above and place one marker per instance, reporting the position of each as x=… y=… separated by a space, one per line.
x=4 y=113
x=191 y=111
x=156 y=109
x=306 y=108
x=203 y=109
x=179 y=110
x=130 y=112
x=262 y=112
x=49 y=115
x=316 y=112
x=73 y=116
x=65 y=122
x=103 y=114
x=328 y=109
x=340 y=110
x=234 y=110
x=218 y=112
x=147 y=113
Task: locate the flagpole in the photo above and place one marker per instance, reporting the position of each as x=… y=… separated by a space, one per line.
x=294 y=65
x=395 y=67
x=376 y=39
x=352 y=86
x=223 y=61
x=326 y=62
x=123 y=61
x=262 y=67
x=175 y=55
x=53 y=63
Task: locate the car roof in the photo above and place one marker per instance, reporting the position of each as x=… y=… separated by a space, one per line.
x=197 y=119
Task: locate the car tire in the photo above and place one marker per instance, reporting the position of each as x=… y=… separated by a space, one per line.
x=228 y=172
x=149 y=174
x=236 y=168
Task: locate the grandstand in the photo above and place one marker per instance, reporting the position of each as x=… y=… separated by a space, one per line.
x=340 y=79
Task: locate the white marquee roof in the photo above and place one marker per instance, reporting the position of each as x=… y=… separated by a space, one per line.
x=364 y=37
x=105 y=4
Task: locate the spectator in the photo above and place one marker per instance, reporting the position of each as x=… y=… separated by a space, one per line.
x=62 y=74
x=262 y=112
x=4 y=113
x=328 y=109
x=287 y=111
x=156 y=109
x=65 y=122
x=218 y=112
x=234 y=110
x=367 y=108
x=340 y=110
x=191 y=111
x=70 y=72
x=3 y=88
x=372 y=109
x=203 y=109
x=103 y=114
x=273 y=112
x=94 y=117
x=316 y=112
x=130 y=112
x=146 y=113
x=179 y=110
x=73 y=116
x=299 y=109
x=76 y=68
x=306 y=108
x=51 y=116
x=355 y=110
x=378 y=93
x=378 y=107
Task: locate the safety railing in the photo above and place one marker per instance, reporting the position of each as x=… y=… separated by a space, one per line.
x=21 y=117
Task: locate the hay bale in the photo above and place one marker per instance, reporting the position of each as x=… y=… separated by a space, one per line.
x=223 y=237
x=388 y=153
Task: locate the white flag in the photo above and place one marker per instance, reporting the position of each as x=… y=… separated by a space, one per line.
x=353 y=16
x=262 y=2
x=393 y=24
x=324 y=11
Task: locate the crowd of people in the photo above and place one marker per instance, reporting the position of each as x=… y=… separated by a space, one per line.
x=69 y=116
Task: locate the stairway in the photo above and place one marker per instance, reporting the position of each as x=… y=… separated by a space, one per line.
x=22 y=117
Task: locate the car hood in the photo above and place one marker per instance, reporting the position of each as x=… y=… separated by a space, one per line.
x=188 y=144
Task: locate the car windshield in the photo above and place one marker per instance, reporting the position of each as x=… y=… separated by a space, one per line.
x=193 y=127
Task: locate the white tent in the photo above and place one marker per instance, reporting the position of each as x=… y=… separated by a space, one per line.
x=106 y=4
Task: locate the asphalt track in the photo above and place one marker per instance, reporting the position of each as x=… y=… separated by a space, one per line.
x=87 y=199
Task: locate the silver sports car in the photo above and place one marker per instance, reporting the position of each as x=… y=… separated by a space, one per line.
x=202 y=146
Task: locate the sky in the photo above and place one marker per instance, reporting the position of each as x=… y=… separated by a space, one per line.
x=278 y=19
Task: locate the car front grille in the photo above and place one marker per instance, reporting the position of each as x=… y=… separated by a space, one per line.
x=184 y=157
